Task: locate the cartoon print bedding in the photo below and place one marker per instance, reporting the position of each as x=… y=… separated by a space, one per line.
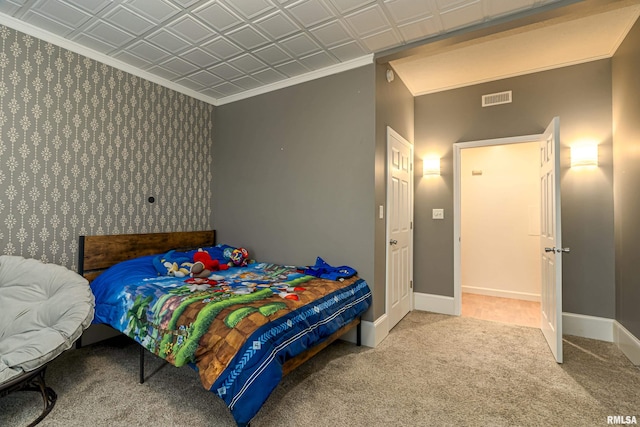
x=236 y=327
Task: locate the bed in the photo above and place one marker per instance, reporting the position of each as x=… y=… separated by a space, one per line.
x=242 y=328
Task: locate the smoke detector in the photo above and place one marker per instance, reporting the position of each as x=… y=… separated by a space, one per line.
x=390 y=75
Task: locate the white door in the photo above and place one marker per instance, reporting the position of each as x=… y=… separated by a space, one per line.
x=551 y=239
x=399 y=227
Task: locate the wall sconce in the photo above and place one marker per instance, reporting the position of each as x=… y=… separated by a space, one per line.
x=431 y=166
x=584 y=155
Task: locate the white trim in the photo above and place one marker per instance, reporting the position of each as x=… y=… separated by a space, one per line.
x=333 y=69
x=526 y=296
x=627 y=343
x=62 y=42
x=457 y=205
x=580 y=325
x=373 y=333
x=498 y=141
x=434 y=303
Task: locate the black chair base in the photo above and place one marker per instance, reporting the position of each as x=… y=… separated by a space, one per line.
x=32 y=381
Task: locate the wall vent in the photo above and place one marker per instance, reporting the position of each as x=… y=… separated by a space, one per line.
x=496 y=98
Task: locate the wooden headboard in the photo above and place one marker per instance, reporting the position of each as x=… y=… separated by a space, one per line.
x=97 y=253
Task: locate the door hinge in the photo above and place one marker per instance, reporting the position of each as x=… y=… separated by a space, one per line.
x=410 y=284
x=411 y=225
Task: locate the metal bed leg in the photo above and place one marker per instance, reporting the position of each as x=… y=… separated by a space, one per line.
x=141 y=365
x=359 y=333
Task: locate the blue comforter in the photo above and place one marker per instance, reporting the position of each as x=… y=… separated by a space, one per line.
x=236 y=327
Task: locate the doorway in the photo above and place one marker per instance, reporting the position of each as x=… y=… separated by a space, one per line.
x=550 y=224
x=500 y=274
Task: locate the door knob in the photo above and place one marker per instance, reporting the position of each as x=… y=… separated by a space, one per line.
x=393 y=242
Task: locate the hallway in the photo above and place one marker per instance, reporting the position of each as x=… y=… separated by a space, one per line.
x=504 y=310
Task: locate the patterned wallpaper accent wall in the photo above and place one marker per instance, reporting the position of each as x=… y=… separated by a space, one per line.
x=83 y=146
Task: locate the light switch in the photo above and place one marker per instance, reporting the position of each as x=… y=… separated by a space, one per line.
x=381 y=212
x=437 y=214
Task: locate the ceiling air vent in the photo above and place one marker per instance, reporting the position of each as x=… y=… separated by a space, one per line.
x=496 y=98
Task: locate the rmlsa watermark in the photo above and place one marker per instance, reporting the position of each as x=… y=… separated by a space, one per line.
x=621 y=419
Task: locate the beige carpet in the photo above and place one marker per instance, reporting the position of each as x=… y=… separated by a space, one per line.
x=432 y=370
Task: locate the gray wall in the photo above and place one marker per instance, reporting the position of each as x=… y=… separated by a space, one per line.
x=581 y=96
x=294 y=173
x=394 y=107
x=626 y=143
x=84 y=145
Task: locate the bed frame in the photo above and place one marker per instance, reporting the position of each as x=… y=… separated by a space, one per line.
x=97 y=253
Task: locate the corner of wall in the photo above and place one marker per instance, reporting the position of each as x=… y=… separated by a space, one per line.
x=373 y=333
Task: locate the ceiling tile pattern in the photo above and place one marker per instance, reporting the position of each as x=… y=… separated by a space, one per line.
x=222 y=48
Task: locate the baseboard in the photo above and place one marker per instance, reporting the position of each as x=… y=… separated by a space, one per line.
x=580 y=325
x=501 y=293
x=372 y=332
x=434 y=303
x=627 y=343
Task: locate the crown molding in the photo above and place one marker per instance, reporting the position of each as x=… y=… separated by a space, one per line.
x=72 y=46
x=327 y=71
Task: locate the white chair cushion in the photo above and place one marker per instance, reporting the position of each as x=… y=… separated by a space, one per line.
x=43 y=309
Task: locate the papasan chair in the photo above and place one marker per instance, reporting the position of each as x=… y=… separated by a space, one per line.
x=44 y=308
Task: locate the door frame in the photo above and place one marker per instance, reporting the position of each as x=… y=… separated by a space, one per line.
x=387 y=223
x=457 y=205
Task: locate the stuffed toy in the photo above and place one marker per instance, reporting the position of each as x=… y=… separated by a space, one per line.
x=172 y=263
x=173 y=269
x=239 y=257
x=203 y=264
